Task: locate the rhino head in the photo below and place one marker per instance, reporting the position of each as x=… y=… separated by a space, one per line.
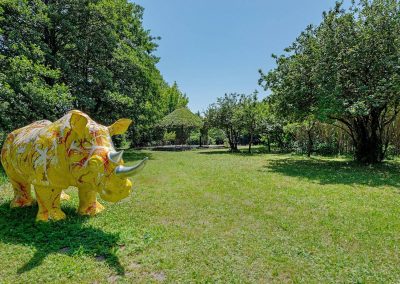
x=93 y=161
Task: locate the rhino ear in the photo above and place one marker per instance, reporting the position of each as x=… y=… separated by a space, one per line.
x=78 y=122
x=119 y=127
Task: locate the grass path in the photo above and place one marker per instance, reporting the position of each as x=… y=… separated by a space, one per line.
x=203 y=216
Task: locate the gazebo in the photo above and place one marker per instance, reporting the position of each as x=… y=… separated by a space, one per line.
x=182 y=121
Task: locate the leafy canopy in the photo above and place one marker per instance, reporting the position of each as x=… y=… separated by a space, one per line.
x=93 y=55
x=346 y=70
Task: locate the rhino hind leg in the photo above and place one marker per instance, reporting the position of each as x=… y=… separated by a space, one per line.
x=88 y=204
x=48 y=199
x=22 y=194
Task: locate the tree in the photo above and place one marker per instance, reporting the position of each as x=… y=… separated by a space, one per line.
x=173 y=98
x=96 y=50
x=215 y=135
x=224 y=114
x=308 y=125
x=182 y=121
x=30 y=89
x=345 y=71
x=252 y=114
x=303 y=135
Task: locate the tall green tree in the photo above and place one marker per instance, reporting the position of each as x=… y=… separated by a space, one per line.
x=224 y=115
x=345 y=70
x=173 y=98
x=252 y=114
x=30 y=88
x=96 y=50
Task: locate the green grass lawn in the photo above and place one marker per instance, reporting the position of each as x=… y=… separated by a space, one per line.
x=210 y=216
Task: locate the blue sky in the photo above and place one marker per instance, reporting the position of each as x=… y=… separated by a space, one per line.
x=213 y=47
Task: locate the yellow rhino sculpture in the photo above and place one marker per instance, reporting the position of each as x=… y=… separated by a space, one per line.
x=72 y=151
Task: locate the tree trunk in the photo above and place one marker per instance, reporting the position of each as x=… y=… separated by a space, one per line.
x=251 y=141
x=368 y=150
x=236 y=141
x=233 y=141
x=309 y=143
x=230 y=139
x=368 y=141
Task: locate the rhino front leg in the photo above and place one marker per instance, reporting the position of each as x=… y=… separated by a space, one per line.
x=88 y=204
x=22 y=194
x=48 y=199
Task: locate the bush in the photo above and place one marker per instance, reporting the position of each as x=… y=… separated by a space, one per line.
x=169 y=137
x=326 y=148
x=194 y=138
x=121 y=141
x=216 y=136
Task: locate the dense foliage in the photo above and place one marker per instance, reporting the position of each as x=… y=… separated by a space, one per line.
x=30 y=87
x=238 y=115
x=224 y=115
x=344 y=71
x=93 y=55
x=173 y=98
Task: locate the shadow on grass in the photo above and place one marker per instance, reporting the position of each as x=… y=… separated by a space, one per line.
x=337 y=172
x=241 y=152
x=70 y=237
x=130 y=155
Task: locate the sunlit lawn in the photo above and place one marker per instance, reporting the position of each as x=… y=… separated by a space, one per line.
x=210 y=216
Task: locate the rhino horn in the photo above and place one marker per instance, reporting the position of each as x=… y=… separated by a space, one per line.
x=130 y=171
x=116 y=157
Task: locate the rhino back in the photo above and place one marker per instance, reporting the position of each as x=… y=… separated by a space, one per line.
x=24 y=151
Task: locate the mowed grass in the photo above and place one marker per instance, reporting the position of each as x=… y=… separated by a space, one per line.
x=210 y=216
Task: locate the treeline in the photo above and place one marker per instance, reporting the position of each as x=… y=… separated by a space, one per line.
x=336 y=89
x=93 y=55
x=233 y=121
x=245 y=120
